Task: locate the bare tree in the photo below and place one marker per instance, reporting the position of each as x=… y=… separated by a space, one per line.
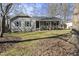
x=52 y=9
x=64 y=10
x=58 y=9
x=5 y=8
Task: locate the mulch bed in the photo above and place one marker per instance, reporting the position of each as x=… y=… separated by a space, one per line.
x=54 y=47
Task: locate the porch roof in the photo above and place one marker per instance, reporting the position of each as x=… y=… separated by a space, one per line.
x=47 y=18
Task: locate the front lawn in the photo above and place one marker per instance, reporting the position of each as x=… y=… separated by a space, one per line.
x=45 y=46
x=38 y=34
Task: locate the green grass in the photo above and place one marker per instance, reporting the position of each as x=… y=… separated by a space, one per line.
x=39 y=34
x=25 y=48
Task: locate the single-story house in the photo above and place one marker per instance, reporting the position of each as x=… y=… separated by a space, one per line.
x=35 y=23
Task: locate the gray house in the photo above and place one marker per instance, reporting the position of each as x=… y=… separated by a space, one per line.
x=23 y=24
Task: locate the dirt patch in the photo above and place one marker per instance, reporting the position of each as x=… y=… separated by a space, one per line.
x=7 y=42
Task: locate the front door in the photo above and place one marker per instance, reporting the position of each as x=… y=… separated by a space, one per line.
x=37 y=24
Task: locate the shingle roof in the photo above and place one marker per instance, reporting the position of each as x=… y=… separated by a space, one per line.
x=38 y=18
x=46 y=18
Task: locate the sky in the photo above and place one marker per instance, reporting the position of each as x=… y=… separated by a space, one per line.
x=39 y=9
x=33 y=9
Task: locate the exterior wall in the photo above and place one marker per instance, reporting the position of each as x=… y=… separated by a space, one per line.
x=33 y=26
x=23 y=28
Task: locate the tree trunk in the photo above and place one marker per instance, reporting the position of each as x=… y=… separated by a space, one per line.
x=3 y=26
x=9 y=27
x=75 y=27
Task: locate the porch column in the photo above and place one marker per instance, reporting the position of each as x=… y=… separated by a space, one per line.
x=50 y=25
x=56 y=24
x=53 y=25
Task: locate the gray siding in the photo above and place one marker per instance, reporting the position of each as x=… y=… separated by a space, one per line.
x=24 y=28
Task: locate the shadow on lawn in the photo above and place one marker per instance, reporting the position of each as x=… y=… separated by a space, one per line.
x=19 y=40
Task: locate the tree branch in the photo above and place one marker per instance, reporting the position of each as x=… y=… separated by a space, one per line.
x=8 y=8
x=1 y=8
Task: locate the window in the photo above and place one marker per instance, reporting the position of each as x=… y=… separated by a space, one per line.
x=27 y=23
x=57 y=22
x=18 y=23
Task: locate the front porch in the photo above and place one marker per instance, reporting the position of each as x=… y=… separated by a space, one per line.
x=47 y=25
